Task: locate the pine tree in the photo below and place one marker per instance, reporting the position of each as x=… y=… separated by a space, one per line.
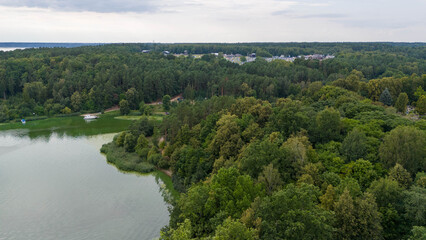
x=386 y=97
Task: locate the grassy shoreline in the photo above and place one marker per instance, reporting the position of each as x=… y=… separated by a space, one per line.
x=132 y=163
x=129 y=162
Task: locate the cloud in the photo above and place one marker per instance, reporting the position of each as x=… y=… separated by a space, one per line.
x=379 y=24
x=105 y=6
x=324 y=15
x=210 y=20
x=282 y=13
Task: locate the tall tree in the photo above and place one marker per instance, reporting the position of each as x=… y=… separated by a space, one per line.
x=328 y=125
x=421 y=105
x=270 y=178
x=407 y=146
x=76 y=101
x=355 y=145
x=401 y=102
x=357 y=219
x=166 y=102
x=232 y=229
x=402 y=176
x=386 y=97
x=124 y=107
x=293 y=213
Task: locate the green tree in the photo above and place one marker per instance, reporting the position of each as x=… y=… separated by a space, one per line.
x=362 y=171
x=270 y=178
x=289 y=117
x=130 y=141
x=328 y=125
x=66 y=110
x=401 y=102
x=345 y=217
x=329 y=198
x=246 y=90
x=421 y=105
x=402 y=176
x=119 y=139
x=258 y=154
x=166 y=102
x=404 y=145
x=132 y=97
x=418 y=233
x=124 y=107
x=232 y=229
x=357 y=219
x=182 y=232
x=208 y=204
x=143 y=107
x=415 y=205
x=293 y=213
x=389 y=198
x=36 y=91
x=297 y=149
x=227 y=141
x=142 y=143
x=354 y=146
x=76 y=101
x=419 y=92
x=386 y=97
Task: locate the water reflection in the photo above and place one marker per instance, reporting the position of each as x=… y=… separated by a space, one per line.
x=54 y=184
x=61 y=127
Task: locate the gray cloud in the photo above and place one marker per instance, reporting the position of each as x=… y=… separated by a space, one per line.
x=282 y=12
x=378 y=23
x=105 y=6
x=323 y=15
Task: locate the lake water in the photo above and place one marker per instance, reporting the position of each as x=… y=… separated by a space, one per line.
x=59 y=186
x=7 y=49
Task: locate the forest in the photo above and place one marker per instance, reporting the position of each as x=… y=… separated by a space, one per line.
x=310 y=149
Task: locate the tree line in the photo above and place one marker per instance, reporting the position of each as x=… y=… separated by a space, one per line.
x=267 y=150
x=91 y=78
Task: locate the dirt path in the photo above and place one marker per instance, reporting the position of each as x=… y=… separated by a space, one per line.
x=167 y=172
x=174 y=99
x=113 y=108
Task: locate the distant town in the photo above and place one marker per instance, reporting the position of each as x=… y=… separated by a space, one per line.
x=241 y=59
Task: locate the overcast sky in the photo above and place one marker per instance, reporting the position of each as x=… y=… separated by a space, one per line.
x=212 y=20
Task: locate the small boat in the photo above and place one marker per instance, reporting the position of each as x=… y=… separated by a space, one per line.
x=90 y=117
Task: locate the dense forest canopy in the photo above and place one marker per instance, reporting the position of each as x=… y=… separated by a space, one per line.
x=310 y=149
x=45 y=81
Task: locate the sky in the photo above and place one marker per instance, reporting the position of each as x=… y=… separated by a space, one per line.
x=171 y=21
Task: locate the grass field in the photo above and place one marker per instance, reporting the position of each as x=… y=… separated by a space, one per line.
x=132 y=118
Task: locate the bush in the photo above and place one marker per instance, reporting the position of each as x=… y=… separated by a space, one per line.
x=130 y=142
x=119 y=139
x=155 y=158
x=125 y=161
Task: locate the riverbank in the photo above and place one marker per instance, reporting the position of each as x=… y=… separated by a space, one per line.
x=125 y=161
x=72 y=126
x=129 y=162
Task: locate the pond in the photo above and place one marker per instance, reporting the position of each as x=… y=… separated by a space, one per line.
x=55 y=184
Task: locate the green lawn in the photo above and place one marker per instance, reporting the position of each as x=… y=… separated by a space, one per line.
x=132 y=118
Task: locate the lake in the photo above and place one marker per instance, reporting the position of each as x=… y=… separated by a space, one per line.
x=7 y=49
x=55 y=184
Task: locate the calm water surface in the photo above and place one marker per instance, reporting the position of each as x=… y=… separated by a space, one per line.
x=59 y=186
